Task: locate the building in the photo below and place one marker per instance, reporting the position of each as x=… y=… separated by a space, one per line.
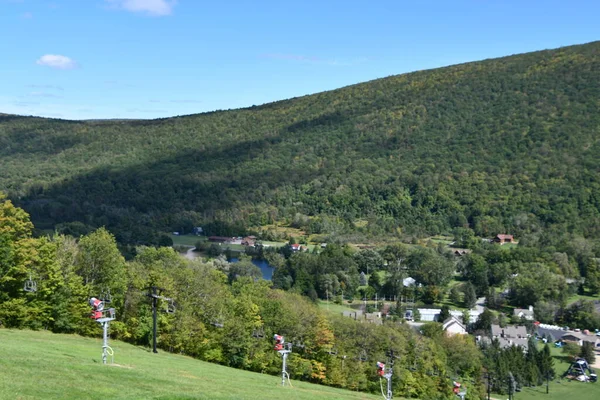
x=249 y=241
x=452 y=326
x=510 y=336
x=220 y=239
x=429 y=314
x=579 y=338
x=503 y=238
x=524 y=313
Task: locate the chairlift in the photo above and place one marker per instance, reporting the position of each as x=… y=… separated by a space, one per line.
x=105 y=296
x=170 y=307
x=333 y=351
x=258 y=333
x=30 y=285
x=363 y=356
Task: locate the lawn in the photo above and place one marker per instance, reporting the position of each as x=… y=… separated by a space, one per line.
x=186 y=240
x=560 y=389
x=42 y=365
x=335 y=308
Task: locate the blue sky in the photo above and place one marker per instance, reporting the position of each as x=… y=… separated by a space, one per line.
x=82 y=59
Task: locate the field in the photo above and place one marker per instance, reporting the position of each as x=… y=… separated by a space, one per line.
x=560 y=389
x=42 y=365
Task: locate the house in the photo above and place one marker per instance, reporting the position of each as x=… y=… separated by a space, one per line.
x=510 y=336
x=452 y=326
x=503 y=238
x=473 y=315
x=298 y=247
x=524 y=313
x=579 y=338
x=406 y=282
x=198 y=230
x=248 y=241
x=220 y=239
x=513 y=332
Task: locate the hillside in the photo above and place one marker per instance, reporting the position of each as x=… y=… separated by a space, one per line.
x=508 y=144
x=41 y=365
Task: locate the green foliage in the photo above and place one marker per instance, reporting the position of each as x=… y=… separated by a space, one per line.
x=587 y=352
x=502 y=145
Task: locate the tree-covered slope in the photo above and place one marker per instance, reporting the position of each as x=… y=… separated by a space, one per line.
x=508 y=144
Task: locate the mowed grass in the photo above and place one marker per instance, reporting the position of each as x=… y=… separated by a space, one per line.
x=560 y=389
x=42 y=365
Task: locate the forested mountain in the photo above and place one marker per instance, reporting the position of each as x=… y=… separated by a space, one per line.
x=508 y=144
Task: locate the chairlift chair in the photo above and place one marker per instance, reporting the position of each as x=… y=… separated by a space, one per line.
x=170 y=308
x=105 y=296
x=333 y=351
x=363 y=356
x=30 y=285
x=258 y=333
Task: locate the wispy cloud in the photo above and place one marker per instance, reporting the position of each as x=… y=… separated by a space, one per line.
x=57 y=61
x=314 y=60
x=155 y=8
x=45 y=94
x=185 y=101
x=49 y=87
x=26 y=103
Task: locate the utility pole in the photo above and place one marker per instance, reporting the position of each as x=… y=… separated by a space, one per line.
x=154 y=294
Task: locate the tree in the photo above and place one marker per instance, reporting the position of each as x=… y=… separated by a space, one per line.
x=546 y=363
x=485 y=320
x=429 y=268
x=469 y=296
x=444 y=313
x=101 y=265
x=368 y=261
x=571 y=349
x=466 y=318
x=587 y=352
x=455 y=295
x=362 y=279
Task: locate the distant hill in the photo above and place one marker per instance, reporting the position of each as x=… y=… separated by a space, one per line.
x=502 y=145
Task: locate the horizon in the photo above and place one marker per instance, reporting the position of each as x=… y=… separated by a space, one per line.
x=150 y=59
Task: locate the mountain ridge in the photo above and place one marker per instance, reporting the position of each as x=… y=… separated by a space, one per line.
x=472 y=144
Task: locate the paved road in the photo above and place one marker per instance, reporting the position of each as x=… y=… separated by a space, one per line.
x=480 y=304
x=190 y=254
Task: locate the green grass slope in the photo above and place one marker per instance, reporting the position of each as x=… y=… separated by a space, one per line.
x=507 y=144
x=41 y=365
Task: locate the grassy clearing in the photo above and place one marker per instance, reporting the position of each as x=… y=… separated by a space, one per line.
x=42 y=365
x=561 y=389
x=335 y=308
x=185 y=240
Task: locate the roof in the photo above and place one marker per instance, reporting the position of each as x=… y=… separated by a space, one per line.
x=509 y=331
x=525 y=311
x=503 y=236
x=452 y=321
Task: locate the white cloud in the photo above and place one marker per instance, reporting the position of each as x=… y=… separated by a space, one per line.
x=155 y=8
x=56 y=61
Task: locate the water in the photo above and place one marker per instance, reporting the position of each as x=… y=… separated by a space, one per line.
x=265 y=268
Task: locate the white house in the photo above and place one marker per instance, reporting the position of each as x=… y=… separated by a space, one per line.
x=452 y=326
x=524 y=313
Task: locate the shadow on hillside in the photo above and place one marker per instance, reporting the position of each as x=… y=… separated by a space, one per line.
x=207 y=181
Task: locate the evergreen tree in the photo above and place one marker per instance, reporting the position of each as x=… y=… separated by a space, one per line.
x=546 y=363
x=587 y=352
x=444 y=313
x=469 y=298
